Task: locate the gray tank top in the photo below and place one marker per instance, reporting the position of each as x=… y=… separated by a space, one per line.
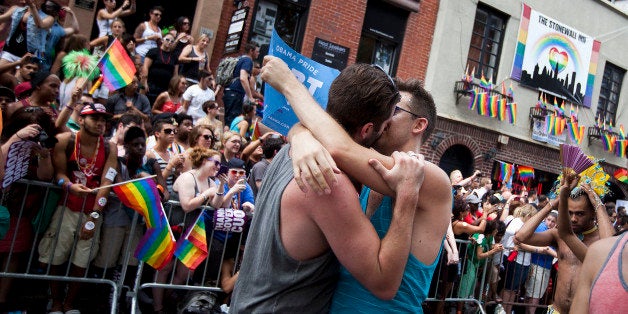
x=270 y=281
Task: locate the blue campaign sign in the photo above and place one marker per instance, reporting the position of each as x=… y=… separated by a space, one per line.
x=278 y=114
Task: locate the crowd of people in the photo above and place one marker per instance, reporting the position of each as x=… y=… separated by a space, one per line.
x=313 y=244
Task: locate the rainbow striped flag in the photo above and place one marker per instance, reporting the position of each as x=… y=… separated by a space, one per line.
x=157 y=245
x=608 y=140
x=621 y=174
x=192 y=249
x=525 y=173
x=484 y=83
x=116 y=66
x=473 y=101
x=501 y=114
x=620 y=148
x=142 y=196
x=622 y=133
x=256 y=133
x=505 y=173
x=512 y=113
x=494 y=103
x=575 y=132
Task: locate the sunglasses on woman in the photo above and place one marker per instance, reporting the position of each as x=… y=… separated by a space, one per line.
x=216 y=162
x=207 y=137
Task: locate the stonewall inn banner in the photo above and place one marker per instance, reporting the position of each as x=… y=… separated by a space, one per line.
x=555 y=57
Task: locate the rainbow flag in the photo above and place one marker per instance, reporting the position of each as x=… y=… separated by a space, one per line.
x=142 y=196
x=473 y=101
x=609 y=141
x=575 y=132
x=493 y=106
x=510 y=93
x=620 y=148
x=157 y=246
x=501 y=114
x=483 y=104
x=621 y=174
x=525 y=173
x=512 y=113
x=505 y=173
x=484 y=83
x=622 y=133
x=256 y=133
x=116 y=66
x=192 y=249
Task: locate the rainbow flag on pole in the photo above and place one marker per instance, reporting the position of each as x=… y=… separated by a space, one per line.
x=621 y=175
x=157 y=245
x=525 y=173
x=192 y=249
x=116 y=66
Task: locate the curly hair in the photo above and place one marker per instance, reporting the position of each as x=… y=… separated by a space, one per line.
x=198 y=155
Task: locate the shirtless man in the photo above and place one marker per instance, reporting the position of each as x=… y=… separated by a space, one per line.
x=582 y=211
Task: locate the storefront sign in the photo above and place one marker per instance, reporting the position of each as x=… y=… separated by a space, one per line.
x=236 y=28
x=330 y=54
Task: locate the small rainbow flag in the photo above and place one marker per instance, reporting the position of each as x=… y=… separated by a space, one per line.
x=621 y=174
x=493 y=106
x=512 y=113
x=620 y=148
x=116 y=66
x=142 y=196
x=506 y=171
x=256 y=134
x=525 y=173
x=510 y=93
x=622 y=133
x=608 y=140
x=501 y=115
x=575 y=132
x=473 y=101
x=192 y=249
x=483 y=104
x=484 y=83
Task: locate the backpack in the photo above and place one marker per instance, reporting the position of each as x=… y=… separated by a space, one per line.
x=224 y=72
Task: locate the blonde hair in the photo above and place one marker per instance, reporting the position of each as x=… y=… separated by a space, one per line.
x=524 y=211
x=454 y=173
x=228 y=135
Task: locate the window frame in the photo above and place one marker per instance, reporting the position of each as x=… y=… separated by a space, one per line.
x=491 y=15
x=606 y=92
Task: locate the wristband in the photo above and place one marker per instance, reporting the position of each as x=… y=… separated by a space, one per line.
x=60 y=182
x=220 y=194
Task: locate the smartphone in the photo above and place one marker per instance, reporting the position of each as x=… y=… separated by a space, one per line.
x=223 y=169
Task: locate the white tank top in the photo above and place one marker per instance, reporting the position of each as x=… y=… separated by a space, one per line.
x=144 y=47
x=104 y=26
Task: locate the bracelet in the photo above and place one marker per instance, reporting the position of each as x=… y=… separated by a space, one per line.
x=70 y=107
x=220 y=194
x=18 y=136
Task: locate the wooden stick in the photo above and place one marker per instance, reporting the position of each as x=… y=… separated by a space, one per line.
x=121 y=183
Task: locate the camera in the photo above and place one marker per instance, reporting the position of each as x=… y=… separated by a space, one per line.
x=44 y=140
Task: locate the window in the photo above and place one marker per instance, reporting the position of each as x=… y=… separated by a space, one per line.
x=609 y=93
x=486 y=42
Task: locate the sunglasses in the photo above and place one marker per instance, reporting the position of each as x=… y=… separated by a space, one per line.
x=170 y=131
x=157 y=14
x=216 y=162
x=168 y=40
x=398 y=109
x=207 y=137
x=237 y=172
x=375 y=66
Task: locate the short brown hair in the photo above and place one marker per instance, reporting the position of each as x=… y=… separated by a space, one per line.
x=422 y=103
x=361 y=94
x=199 y=154
x=196 y=132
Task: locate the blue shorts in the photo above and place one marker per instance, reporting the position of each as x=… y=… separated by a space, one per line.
x=516 y=275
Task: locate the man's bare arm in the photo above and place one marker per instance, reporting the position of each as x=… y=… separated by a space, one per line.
x=350 y=156
x=527 y=235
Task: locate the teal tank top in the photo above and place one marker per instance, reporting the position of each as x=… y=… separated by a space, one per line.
x=352 y=297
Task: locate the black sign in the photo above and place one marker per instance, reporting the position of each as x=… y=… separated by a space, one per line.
x=236 y=28
x=330 y=54
x=85 y=4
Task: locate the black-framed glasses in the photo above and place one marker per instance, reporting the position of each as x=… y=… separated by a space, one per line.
x=170 y=131
x=397 y=109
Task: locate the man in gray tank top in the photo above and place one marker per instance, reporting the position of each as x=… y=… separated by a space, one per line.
x=298 y=237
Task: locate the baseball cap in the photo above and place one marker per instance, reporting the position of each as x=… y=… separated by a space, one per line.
x=93 y=109
x=473 y=199
x=22 y=89
x=235 y=163
x=7 y=92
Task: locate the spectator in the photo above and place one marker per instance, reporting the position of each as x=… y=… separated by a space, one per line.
x=211 y=108
x=169 y=162
x=233 y=97
x=182 y=35
x=540 y=266
x=7 y=96
x=31 y=38
x=128 y=99
x=194 y=189
x=240 y=195
x=117 y=29
x=202 y=136
x=80 y=215
x=24 y=201
x=611 y=211
x=73 y=43
x=184 y=126
x=159 y=67
x=196 y=95
x=148 y=34
x=243 y=123
x=481 y=248
x=193 y=59
x=270 y=147
x=231 y=143
x=108 y=15
x=26 y=66
x=44 y=94
x=171 y=99
x=126 y=121
x=57 y=31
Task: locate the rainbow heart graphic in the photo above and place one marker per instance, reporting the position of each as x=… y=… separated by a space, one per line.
x=558 y=60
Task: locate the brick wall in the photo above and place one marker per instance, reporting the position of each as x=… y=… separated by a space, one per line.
x=417 y=43
x=223 y=27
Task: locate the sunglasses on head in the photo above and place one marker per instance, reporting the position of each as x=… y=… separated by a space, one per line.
x=237 y=172
x=170 y=131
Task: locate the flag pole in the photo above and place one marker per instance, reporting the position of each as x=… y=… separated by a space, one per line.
x=125 y=182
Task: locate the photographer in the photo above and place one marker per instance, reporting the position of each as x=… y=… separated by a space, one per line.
x=22 y=201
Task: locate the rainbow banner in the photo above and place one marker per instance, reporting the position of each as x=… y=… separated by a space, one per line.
x=142 y=196
x=525 y=173
x=116 y=66
x=501 y=114
x=608 y=140
x=512 y=113
x=621 y=175
x=505 y=172
x=192 y=249
x=494 y=103
x=620 y=148
x=576 y=133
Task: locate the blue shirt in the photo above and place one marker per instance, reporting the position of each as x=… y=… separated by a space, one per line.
x=352 y=297
x=542 y=260
x=245 y=63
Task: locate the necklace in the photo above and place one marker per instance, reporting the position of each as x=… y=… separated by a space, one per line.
x=162 y=57
x=590 y=230
x=86 y=167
